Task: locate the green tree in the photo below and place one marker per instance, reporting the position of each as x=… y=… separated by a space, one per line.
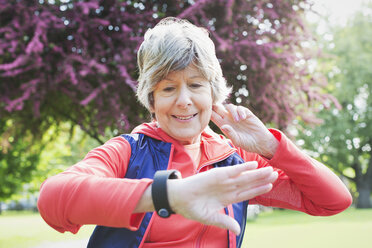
x=19 y=156
x=344 y=139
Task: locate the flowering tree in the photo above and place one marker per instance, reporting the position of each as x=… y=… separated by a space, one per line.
x=75 y=61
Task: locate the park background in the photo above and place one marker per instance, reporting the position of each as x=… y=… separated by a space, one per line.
x=67 y=80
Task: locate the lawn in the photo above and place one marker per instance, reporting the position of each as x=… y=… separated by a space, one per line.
x=290 y=229
x=25 y=230
x=279 y=229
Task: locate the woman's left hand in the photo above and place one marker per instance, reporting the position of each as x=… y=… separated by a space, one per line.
x=244 y=129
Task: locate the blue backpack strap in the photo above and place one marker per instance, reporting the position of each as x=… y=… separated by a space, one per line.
x=143 y=149
x=111 y=237
x=240 y=208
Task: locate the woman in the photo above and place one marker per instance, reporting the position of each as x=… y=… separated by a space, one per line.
x=120 y=184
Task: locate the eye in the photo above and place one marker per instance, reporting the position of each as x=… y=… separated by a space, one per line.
x=168 y=89
x=196 y=85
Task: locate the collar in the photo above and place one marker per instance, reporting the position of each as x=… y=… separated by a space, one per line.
x=215 y=146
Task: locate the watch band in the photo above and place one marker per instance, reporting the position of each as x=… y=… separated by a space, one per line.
x=159 y=191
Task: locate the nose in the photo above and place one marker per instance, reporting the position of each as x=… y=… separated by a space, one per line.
x=184 y=98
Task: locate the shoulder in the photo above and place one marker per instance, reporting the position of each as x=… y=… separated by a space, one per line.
x=114 y=147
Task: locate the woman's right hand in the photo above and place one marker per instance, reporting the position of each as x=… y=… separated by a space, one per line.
x=201 y=197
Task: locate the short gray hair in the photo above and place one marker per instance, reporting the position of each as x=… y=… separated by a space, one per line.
x=172 y=45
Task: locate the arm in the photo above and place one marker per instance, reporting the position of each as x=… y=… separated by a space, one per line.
x=304 y=184
x=201 y=197
x=93 y=191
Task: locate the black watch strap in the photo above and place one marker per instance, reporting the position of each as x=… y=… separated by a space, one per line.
x=159 y=191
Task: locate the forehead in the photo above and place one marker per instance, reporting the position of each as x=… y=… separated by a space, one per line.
x=190 y=72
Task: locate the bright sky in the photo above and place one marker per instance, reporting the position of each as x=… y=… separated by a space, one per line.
x=338 y=10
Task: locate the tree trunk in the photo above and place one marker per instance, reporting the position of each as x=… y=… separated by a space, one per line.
x=364 y=200
x=363 y=183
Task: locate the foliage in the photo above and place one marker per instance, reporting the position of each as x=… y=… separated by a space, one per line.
x=344 y=139
x=70 y=145
x=17 y=160
x=74 y=61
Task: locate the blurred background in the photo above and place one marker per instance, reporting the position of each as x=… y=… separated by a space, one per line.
x=67 y=84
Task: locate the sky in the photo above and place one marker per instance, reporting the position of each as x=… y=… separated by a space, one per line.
x=338 y=10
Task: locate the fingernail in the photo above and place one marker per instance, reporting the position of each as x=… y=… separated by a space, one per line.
x=223 y=128
x=275 y=173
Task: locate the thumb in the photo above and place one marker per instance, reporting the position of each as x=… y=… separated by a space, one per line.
x=227 y=222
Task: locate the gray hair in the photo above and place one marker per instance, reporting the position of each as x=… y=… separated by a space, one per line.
x=172 y=45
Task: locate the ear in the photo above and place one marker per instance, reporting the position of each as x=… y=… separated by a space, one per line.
x=151 y=102
x=151 y=109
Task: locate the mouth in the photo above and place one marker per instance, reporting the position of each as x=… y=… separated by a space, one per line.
x=184 y=117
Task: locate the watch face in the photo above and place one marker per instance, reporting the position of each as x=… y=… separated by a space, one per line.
x=163 y=213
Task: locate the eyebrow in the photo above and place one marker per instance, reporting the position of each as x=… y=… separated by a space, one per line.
x=192 y=77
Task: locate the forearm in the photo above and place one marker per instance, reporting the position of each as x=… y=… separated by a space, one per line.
x=68 y=201
x=145 y=203
x=306 y=184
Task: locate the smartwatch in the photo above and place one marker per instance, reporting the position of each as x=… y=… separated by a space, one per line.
x=159 y=191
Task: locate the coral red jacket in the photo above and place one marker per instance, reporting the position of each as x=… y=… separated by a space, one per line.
x=94 y=191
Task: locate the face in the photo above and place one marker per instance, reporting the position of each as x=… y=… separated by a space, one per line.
x=183 y=104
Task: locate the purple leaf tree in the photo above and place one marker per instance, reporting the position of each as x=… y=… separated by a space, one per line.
x=75 y=61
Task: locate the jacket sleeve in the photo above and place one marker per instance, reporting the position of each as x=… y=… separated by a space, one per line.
x=304 y=184
x=93 y=191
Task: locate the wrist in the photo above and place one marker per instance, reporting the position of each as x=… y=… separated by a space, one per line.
x=174 y=193
x=145 y=203
x=271 y=147
x=160 y=191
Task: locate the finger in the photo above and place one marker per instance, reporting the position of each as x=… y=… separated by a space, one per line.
x=234 y=171
x=271 y=178
x=250 y=179
x=242 y=112
x=226 y=222
x=232 y=109
x=255 y=175
x=253 y=192
x=217 y=119
x=220 y=109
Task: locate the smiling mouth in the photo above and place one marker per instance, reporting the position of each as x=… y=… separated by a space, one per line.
x=184 y=118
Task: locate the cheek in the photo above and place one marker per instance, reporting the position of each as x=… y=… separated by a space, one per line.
x=159 y=103
x=207 y=104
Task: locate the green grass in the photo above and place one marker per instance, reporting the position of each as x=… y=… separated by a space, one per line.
x=290 y=229
x=279 y=229
x=25 y=229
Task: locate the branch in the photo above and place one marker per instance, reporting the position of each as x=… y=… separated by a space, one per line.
x=92 y=134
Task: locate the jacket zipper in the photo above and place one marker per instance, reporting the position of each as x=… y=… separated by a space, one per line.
x=214 y=161
x=198 y=241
